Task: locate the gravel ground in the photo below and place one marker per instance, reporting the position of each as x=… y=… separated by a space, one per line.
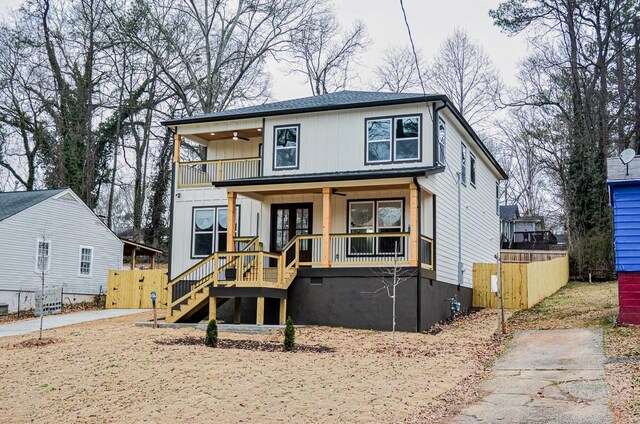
x=112 y=371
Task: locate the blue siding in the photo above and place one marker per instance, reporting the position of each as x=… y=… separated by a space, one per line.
x=626 y=226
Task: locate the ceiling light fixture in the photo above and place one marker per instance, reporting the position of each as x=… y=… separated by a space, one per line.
x=212 y=133
x=259 y=129
x=235 y=135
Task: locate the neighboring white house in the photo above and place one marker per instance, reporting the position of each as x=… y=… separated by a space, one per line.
x=338 y=179
x=55 y=231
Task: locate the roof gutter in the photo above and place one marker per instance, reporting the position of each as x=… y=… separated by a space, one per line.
x=343 y=176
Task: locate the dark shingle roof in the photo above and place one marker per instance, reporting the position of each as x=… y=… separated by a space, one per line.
x=14 y=202
x=509 y=212
x=339 y=100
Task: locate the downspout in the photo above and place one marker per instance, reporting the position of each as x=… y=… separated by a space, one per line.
x=459 y=230
x=419 y=276
x=173 y=195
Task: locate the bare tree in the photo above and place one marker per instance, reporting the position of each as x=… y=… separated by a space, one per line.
x=390 y=278
x=324 y=53
x=462 y=70
x=398 y=72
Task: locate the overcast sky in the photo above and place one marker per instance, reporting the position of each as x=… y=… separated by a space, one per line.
x=431 y=21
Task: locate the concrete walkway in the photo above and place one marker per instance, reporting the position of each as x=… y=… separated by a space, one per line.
x=54 y=321
x=547 y=376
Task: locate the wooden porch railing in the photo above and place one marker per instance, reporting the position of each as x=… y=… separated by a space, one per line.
x=369 y=248
x=204 y=173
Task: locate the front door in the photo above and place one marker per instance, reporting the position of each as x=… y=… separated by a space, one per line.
x=287 y=221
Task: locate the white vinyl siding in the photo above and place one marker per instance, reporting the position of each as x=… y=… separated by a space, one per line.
x=480 y=225
x=68 y=225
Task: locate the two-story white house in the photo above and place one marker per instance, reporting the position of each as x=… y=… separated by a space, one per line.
x=301 y=202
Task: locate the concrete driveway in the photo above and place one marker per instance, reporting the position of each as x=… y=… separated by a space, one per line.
x=546 y=376
x=53 y=321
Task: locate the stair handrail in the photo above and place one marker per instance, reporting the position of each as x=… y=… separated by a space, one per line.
x=294 y=242
x=204 y=281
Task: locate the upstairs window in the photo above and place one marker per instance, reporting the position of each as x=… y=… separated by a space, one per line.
x=43 y=256
x=86 y=261
x=442 y=142
x=394 y=139
x=472 y=175
x=286 y=147
x=463 y=164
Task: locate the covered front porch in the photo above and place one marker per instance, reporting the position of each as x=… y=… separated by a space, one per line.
x=362 y=224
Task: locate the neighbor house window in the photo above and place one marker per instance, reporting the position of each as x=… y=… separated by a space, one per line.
x=442 y=141
x=43 y=256
x=86 y=260
x=210 y=230
x=472 y=175
x=463 y=164
x=375 y=216
x=392 y=139
x=286 y=147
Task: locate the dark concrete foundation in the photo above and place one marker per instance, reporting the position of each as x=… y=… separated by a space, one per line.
x=355 y=298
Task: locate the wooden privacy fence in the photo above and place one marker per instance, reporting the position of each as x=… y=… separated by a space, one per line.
x=523 y=284
x=131 y=289
x=509 y=256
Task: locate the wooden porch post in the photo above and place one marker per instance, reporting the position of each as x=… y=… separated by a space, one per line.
x=153 y=261
x=231 y=220
x=260 y=311
x=176 y=148
x=326 y=227
x=283 y=311
x=413 y=223
x=133 y=258
x=213 y=304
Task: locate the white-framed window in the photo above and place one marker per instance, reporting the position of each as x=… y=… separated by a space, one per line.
x=86 y=261
x=286 y=143
x=375 y=216
x=43 y=255
x=442 y=142
x=209 y=230
x=463 y=164
x=392 y=139
x=472 y=171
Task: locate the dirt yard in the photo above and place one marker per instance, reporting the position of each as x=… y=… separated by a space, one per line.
x=581 y=305
x=112 y=371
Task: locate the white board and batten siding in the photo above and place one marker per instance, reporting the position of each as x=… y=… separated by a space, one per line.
x=335 y=141
x=479 y=217
x=204 y=197
x=68 y=224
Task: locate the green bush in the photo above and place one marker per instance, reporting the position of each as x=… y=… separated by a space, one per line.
x=289 y=336
x=211 y=338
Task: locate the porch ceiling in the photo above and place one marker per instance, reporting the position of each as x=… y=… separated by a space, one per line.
x=336 y=189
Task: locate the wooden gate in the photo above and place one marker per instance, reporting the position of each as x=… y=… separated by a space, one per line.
x=132 y=289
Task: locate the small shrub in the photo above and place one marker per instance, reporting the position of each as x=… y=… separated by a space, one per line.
x=289 y=336
x=211 y=338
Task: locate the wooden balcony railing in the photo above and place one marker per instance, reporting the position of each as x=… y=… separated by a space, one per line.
x=204 y=173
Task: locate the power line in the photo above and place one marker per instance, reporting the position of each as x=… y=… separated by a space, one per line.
x=415 y=53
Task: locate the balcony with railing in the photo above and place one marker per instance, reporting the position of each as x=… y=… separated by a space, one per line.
x=205 y=173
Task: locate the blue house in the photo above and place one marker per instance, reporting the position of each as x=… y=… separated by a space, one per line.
x=624 y=188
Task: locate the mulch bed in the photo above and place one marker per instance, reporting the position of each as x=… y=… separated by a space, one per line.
x=29 y=343
x=253 y=345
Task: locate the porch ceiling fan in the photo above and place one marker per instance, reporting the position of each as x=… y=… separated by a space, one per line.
x=237 y=137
